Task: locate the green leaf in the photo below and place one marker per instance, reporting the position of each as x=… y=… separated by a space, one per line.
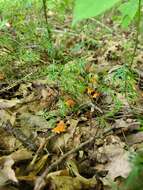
x=128 y=11
x=90 y=8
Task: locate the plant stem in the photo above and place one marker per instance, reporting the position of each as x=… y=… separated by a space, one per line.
x=137 y=34
x=46 y=18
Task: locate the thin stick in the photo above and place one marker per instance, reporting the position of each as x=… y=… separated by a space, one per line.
x=137 y=34
x=17 y=82
x=46 y=18
x=40 y=149
x=104 y=26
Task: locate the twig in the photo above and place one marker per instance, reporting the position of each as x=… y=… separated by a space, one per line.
x=137 y=34
x=46 y=19
x=102 y=25
x=17 y=82
x=40 y=181
x=26 y=142
x=40 y=149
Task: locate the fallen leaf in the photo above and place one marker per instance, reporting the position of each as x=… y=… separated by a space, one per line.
x=135 y=138
x=59 y=142
x=115 y=157
x=40 y=164
x=5 y=115
x=21 y=154
x=60 y=127
x=119 y=166
x=66 y=182
x=8 y=103
x=67 y=139
x=34 y=121
x=30 y=178
x=7 y=173
x=72 y=183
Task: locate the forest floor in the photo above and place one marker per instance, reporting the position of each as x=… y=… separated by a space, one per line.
x=70 y=118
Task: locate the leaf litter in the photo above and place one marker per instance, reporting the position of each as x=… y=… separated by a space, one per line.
x=87 y=147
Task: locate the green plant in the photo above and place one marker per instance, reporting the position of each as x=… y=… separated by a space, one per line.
x=129 y=10
x=123 y=77
x=27 y=35
x=71 y=78
x=134 y=180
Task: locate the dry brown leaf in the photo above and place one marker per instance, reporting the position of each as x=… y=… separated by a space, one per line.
x=5 y=116
x=68 y=139
x=7 y=173
x=33 y=121
x=40 y=164
x=22 y=154
x=135 y=138
x=60 y=142
x=66 y=182
x=116 y=157
x=119 y=166
x=8 y=103
x=30 y=178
